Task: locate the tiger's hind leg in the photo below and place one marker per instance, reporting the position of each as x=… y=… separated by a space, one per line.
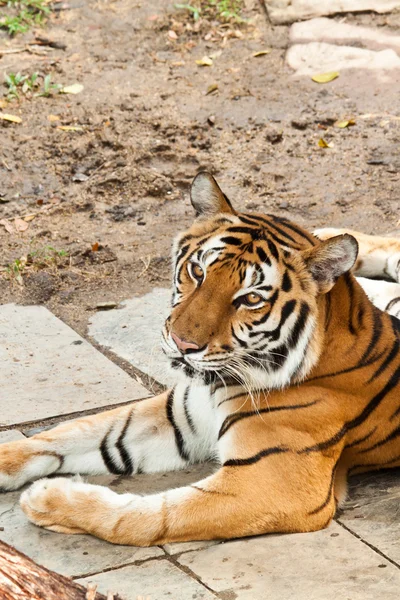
x=378 y=256
x=384 y=294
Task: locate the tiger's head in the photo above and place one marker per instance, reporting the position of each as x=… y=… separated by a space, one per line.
x=246 y=290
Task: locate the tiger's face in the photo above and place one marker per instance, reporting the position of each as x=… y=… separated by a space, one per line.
x=245 y=294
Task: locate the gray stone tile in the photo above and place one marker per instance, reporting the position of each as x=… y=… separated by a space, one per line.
x=326 y=565
x=133 y=332
x=373 y=511
x=179 y=547
x=288 y=11
x=156 y=579
x=10 y=436
x=52 y=371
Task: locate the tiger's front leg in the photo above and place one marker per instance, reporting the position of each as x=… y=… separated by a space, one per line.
x=141 y=437
x=277 y=490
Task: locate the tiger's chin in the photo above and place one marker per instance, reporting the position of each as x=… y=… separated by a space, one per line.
x=182 y=370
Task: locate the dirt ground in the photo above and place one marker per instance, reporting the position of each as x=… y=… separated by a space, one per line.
x=103 y=203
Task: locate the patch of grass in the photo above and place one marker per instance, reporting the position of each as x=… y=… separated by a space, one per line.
x=45 y=258
x=15 y=270
x=18 y=83
x=48 y=87
x=29 y=85
x=226 y=10
x=23 y=14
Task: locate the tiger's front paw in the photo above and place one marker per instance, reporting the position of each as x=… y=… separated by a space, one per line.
x=23 y=461
x=53 y=504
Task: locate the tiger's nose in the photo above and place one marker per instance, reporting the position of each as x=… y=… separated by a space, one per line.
x=182 y=345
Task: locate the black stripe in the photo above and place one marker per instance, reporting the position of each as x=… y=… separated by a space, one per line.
x=232 y=397
x=356 y=367
x=235 y=417
x=300 y=232
x=273 y=249
x=251 y=460
x=286 y=282
x=329 y=495
x=376 y=333
x=182 y=252
x=253 y=220
x=348 y=281
x=180 y=444
x=186 y=409
x=389 y=438
x=241 y=342
x=357 y=421
x=394 y=352
x=233 y=241
x=367 y=466
x=287 y=310
x=254 y=233
x=392 y=303
x=362 y=439
x=124 y=454
x=108 y=459
x=262 y=256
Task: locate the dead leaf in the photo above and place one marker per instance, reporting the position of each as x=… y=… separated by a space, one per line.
x=212 y=88
x=20 y=225
x=325 y=77
x=75 y=88
x=11 y=118
x=7 y=225
x=261 y=53
x=95 y=247
x=344 y=124
x=53 y=118
x=30 y=217
x=206 y=61
x=323 y=144
x=172 y=35
x=70 y=128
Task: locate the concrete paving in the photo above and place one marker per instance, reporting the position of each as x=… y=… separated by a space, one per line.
x=133 y=332
x=356 y=558
x=52 y=371
x=288 y=11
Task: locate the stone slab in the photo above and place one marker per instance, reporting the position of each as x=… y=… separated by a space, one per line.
x=324 y=565
x=372 y=511
x=319 y=57
x=133 y=332
x=347 y=34
x=289 y=11
x=52 y=371
x=155 y=580
x=10 y=436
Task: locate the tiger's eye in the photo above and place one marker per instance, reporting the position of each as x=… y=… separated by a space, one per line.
x=252 y=299
x=196 y=271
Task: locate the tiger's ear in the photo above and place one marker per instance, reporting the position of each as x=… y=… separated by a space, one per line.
x=331 y=259
x=207 y=198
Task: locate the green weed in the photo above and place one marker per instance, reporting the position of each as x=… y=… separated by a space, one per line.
x=48 y=87
x=29 y=85
x=226 y=10
x=16 y=82
x=23 y=14
x=15 y=270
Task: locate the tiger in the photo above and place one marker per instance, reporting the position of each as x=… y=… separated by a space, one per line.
x=287 y=377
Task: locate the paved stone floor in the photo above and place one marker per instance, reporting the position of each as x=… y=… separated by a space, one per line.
x=52 y=372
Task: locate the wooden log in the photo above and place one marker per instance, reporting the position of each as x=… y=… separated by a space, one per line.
x=23 y=579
